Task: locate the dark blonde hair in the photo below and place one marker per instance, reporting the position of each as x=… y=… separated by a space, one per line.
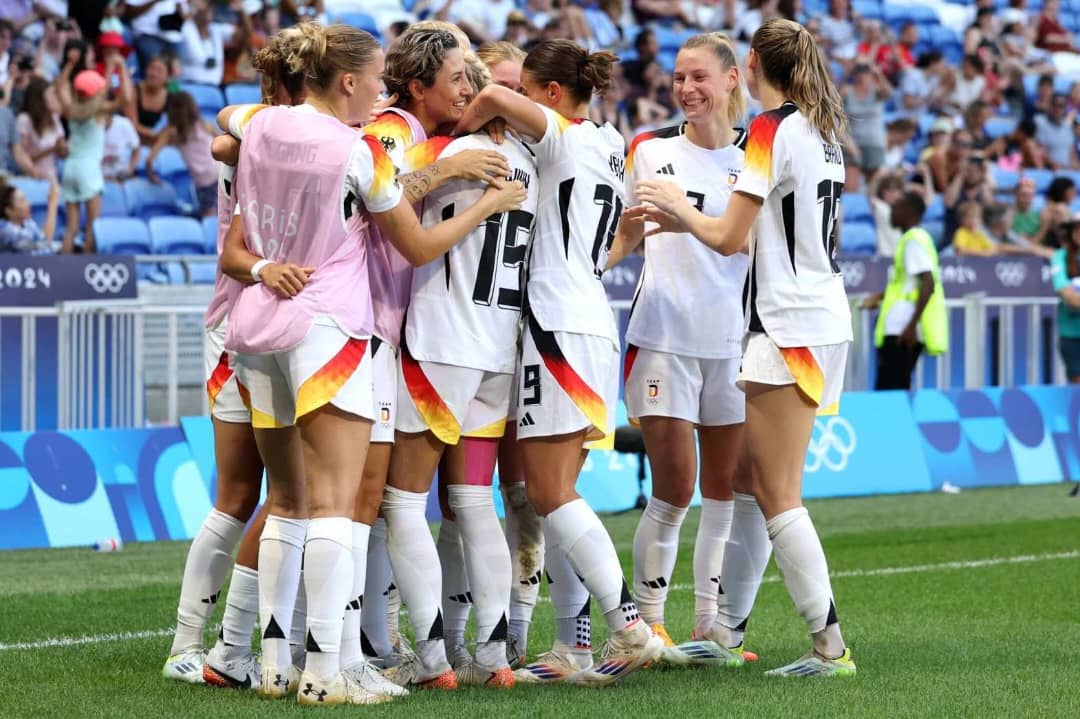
x=581 y=72
x=183 y=114
x=457 y=32
x=476 y=70
x=320 y=53
x=495 y=52
x=721 y=46
x=792 y=62
x=272 y=64
x=416 y=55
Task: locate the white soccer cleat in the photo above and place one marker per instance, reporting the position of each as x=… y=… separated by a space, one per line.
x=554 y=666
x=237 y=672
x=185 y=667
x=278 y=682
x=711 y=648
x=815 y=665
x=371 y=679
x=672 y=653
x=342 y=688
x=458 y=656
x=515 y=653
x=401 y=668
x=624 y=652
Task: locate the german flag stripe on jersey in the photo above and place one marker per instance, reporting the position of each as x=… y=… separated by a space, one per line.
x=759 y=143
x=490 y=431
x=628 y=363
x=671 y=131
x=806 y=371
x=384 y=174
x=424 y=153
x=392 y=131
x=320 y=388
x=259 y=420
x=436 y=414
x=582 y=395
x=221 y=374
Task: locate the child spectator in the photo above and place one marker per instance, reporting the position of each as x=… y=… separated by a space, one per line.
x=970 y=238
x=188 y=131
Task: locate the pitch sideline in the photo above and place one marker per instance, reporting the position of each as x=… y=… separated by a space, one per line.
x=54 y=642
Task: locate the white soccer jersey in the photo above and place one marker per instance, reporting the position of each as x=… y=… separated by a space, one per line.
x=796 y=293
x=465 y=306
x=581 y=198
x=689 y=298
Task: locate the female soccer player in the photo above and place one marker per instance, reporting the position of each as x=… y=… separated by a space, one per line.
x=679 y=378
x=301 y=340
x=570 y=352
x=798 y=317
x=239 y=478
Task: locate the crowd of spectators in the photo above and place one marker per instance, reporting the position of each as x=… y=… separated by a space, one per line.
x=969 y=103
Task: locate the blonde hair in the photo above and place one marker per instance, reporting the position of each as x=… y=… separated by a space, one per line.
x=418 y=54
x=476 y=70
x=721 y=46
x=320 y=53
x=493 y=53
x=462 y=39
x=792 y=63
x=272 y=64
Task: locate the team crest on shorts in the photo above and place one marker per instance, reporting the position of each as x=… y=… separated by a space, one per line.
x=652 y=390
x=384 y=413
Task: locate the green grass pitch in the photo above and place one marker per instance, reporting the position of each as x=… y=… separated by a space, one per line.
x=955 y=606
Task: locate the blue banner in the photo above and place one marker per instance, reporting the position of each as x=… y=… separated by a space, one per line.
x=73 y=488
x=44 y=280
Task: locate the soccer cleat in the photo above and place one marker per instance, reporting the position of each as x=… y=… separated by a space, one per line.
x=671 y=654
x=185 y=667
x=710 y=648
x=446 y=681
x=240 y=672
x=370 y=678
x=470 y=673
x=553 y=666
x=401 y=667
x=515 y=653
x=278 y=682
x=342 y=688
x=815 y=665
x=624 y=652
x=458 y=656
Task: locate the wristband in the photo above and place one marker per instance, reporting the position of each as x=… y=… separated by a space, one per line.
x=257 y=268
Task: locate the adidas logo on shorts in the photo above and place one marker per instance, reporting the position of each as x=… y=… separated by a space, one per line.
x=526 y=421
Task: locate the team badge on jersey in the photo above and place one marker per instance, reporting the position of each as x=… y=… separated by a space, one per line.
x=384 y=413
x=732 y=175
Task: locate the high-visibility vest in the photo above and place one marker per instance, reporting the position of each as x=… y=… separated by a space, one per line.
x=934 y=321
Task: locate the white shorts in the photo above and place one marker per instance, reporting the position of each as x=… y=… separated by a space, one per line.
x=702 y=391
x=818 y=372
x=327 y=367
x=384 y=379
x=568 y=382
x=226 y=404
x=451 y=401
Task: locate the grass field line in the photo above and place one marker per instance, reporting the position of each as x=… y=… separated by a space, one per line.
x=54 y=642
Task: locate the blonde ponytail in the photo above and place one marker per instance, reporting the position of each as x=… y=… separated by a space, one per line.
x=792 y=63
x=721 y=45
x=322 y=53
x=476 y=70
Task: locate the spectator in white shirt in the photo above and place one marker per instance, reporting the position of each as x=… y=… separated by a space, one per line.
x=1054 y=132
x=202 y=56
x=971 y=82
x=156 y=26
x=121 y=149
x=838 y=31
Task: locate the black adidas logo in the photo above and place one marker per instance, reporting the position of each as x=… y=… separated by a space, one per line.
x=526 y=421
x=533 y=580
x=212 y=599
x=658 y=583
x=465 y=598
x=666 y=170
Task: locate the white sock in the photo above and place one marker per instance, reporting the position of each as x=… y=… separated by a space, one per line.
x=525 y=539
x=801 y=562
x=241 y=608
x=416 y=573
x=487 y=562
x=208 y=561
x=456 y=598
x=373 y=620
x=746 y=555
x=393 y=609
x=328 y=580
x=351 y=651
x=656 y=547
x=712 y=535
x=299 y=624
x=576 y=529
x=570 y=599
x=281 y=549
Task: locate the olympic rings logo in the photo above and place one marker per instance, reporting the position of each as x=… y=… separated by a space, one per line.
x=832 y=443
x=106 y=278
x=854 y=273
x=1011 y=274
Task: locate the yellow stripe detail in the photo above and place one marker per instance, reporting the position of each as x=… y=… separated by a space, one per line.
x=492 y=431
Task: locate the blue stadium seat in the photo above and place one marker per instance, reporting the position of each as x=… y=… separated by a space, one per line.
x=858 y=238
x=924 y=15
x=856 y=208
x=940 y=35
x=121 y=236
x=936 y=228
x=207 y=97
x=203 y=273
x=37 y=194
x=359 y=20
x=870 y=9
x=113 y=202
x=935 y=210
x=209 y=228
x=1000 y=126
x=667 y=38
x=242 y=93
x=1005 y=180
x=170 y=166
x=174 y=235
x=146 y=200
x=1042 y=178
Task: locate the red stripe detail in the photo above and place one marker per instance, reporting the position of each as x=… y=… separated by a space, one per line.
x=628 y=363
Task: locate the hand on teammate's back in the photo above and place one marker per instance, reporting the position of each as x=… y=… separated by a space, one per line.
x=286 y=279
x=485 y=165
x=507 y=195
